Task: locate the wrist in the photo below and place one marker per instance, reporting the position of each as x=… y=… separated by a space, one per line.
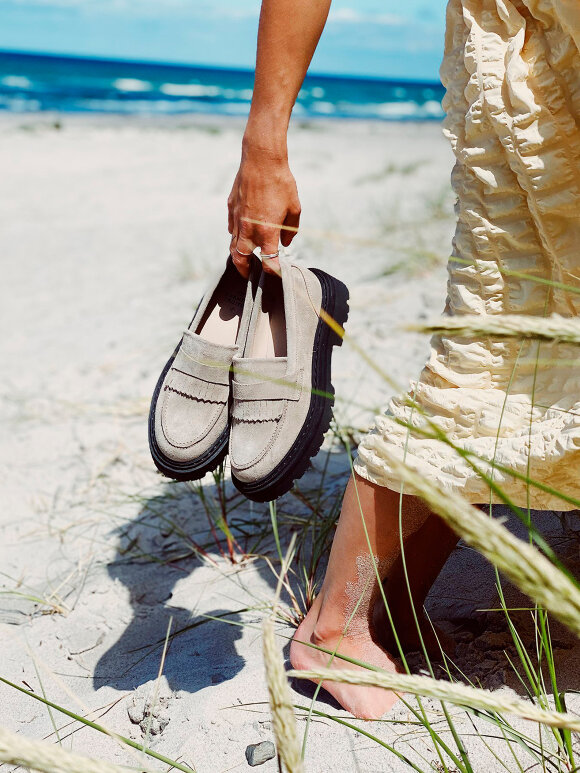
x=267 y=135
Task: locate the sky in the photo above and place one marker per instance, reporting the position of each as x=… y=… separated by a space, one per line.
x=385 y=38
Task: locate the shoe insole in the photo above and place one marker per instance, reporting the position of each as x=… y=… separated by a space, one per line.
x=221 y=320
x=270 y=331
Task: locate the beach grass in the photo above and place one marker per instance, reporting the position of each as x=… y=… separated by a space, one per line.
x=446 y=709
x=305 y=520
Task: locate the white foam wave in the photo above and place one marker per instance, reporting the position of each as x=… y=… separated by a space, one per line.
x=324 y=108
x=433 y=108
x=189 y=90
x=132 y=84
x=396 y=110
x=16 y=82
x=19 y=104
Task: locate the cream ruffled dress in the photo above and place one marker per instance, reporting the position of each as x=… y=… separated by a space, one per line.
x=512 y=73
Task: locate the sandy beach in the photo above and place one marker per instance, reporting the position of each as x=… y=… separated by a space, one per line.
x=109 y=231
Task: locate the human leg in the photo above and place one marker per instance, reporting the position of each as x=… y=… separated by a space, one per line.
x=406 y=589
x=367 y=542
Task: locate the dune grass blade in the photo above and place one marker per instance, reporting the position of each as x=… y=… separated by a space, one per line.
x=529 y=745
x=554 y=328
x=365 y=733
x=283 y=719
x=157 y=686
x=49 y=758
x=52 y=606
x=459 y=694
x=100 y=728
x=50 y=714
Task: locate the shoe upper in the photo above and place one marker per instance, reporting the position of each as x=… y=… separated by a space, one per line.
x=192 y=409
x=271 y=394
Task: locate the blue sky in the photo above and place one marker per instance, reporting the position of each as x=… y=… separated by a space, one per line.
x=402 y=38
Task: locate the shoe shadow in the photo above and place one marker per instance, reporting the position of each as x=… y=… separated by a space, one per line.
x=155 y=552
x=193 y=661
x=160 y=548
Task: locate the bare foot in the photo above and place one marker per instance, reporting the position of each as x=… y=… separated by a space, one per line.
x=435 y=640
x=362 y=701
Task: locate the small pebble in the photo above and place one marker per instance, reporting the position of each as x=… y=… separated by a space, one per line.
x=258 y=753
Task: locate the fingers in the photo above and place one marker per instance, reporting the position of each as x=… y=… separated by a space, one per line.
x=248 y=233
x=292 y=221
x=231 y=206
x=241 y=250
x=270 y=260
x=267 y=238
x=263 y=200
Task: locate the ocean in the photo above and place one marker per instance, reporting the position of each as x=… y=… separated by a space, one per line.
x=31 y=82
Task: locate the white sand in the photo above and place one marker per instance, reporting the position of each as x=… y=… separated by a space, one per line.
x=109 y=230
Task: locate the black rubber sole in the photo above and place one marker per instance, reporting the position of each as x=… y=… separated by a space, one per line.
x=297 y=460
x=196 y=468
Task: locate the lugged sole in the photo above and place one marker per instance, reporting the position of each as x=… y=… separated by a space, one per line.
x=297 y=460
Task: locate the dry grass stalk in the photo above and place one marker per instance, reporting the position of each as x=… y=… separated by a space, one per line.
x=525 y=566
x=35 y=755
x=459 y=694
x=554 y=328
x=283 y=719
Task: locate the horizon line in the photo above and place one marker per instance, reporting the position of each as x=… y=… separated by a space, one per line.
x=219 y=68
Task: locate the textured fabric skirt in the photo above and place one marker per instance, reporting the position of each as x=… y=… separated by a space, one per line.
x=512 y=74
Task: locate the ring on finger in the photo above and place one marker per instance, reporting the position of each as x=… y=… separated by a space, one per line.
x=271 y=256
x=245 y=254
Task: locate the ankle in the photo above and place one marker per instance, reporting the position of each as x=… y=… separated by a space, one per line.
x=330 y=629
x=325 y=625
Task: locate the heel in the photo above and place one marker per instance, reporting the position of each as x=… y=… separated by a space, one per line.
x=335 y=297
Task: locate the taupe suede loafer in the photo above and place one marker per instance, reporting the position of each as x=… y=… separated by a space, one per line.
x=189 y=418
x=281 y=387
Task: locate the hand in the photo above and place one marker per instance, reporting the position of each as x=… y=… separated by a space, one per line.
x=264 y=190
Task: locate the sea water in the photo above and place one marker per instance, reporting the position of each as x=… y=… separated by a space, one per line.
x=30 y=82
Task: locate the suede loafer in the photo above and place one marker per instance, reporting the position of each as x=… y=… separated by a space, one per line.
x=189 y=421
x=281 y=387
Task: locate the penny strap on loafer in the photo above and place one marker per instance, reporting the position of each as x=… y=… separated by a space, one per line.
x=201 y=370
x=249 y=411
x=273 y=389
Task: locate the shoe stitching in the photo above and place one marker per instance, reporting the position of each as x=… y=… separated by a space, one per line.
x=268 y=447
x=168 y=388
x=207 y=428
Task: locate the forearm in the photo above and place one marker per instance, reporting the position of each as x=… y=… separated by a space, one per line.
x=288 y=34
x=263 y=206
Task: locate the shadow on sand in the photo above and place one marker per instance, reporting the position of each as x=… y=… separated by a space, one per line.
x=160 y=547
